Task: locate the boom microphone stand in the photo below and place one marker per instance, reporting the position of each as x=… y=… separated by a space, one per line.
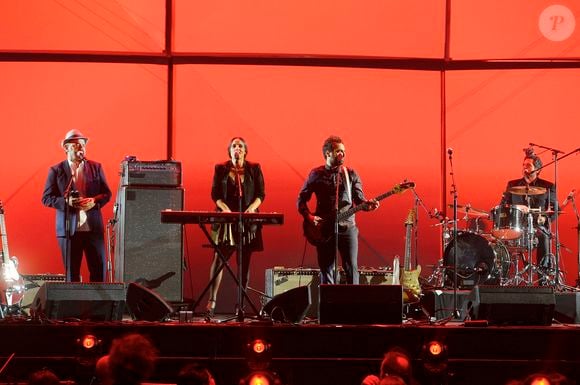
x=456 y=313
x=555 y=160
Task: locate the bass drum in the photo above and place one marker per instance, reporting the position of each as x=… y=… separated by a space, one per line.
x=476 y=262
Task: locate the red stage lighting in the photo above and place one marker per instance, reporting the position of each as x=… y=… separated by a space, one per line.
x=540 y=380
x=258 y=354
x=88 y=341
x=435 y=348
x=434 y=357
x=261 y=378
x=259 y=346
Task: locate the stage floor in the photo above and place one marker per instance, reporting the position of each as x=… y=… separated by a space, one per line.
x=301 y=354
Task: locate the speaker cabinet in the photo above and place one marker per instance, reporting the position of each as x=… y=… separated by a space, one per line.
x=290 y=306
x=85 y=301
x=281 y=279
x=145 y=304
x=512 y=305
x=567 y=307
x=33 y=283
x=147 y=251
x=440 y=303
x=360 y=304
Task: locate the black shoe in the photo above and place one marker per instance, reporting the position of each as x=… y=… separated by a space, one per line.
x=209 y=310
x=209 y=314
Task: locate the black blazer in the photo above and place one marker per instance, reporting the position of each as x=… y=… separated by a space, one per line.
x=253 y=186
x=96 y=187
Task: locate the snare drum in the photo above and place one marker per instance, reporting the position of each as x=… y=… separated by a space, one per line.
x=508 y=221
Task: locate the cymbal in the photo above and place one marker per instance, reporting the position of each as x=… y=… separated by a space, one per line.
x=467 y=209
x=527 y=190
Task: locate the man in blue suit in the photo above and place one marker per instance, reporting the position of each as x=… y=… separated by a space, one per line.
x=77 y=189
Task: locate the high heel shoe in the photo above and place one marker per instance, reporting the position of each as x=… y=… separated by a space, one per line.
x=209 y=310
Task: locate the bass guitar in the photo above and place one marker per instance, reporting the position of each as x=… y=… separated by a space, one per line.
x=11 y=283
x=317 y=235
x=410 y=278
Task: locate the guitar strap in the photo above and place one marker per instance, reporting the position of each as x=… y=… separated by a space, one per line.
x=347 y=185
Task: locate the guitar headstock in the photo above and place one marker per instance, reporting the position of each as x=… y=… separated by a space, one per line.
x=401 y=187
x=410 y=217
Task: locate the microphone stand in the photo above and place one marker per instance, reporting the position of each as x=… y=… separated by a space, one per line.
x=68 y=192
x=556 y=209
x=578 y=237
x=337 y=183
x=456 y=313
x=241 y=288
x=418 y=202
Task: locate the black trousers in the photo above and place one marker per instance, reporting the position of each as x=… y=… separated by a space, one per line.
x=92 y=245
x=348 y=249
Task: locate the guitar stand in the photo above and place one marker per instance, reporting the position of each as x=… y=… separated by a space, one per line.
x=224 y=264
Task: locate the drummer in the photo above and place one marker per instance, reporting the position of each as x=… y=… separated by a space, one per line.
x=538 y=195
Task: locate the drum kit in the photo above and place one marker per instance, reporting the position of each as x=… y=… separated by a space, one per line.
x=495 y=247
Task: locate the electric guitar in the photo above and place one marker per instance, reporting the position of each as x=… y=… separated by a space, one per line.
x=320 y=234
x=410 y=278
x=11 y=284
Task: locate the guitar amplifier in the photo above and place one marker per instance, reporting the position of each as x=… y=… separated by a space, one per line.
x=32 y=283
x=150 y=173
x=281 y=279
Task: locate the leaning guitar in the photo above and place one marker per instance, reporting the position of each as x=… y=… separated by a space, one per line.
x=321 y=234
x=410 y=278
x=11 y=284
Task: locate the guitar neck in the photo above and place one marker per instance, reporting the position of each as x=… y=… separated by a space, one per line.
x=407 y=261
x=5 y=253
x=352 y=210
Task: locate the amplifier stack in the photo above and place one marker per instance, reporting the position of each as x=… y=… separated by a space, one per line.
x=147 y=251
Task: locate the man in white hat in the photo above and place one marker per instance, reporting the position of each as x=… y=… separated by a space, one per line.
x=77 y=189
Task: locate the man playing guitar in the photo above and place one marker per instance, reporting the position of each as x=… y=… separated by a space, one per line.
x=322 y=182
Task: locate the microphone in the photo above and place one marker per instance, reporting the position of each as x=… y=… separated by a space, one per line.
x=81 y=155
x=569 y=197
x=450 y=151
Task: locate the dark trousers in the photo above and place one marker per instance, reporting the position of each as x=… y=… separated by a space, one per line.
x=348 y=249
x=92 y=244
x=542 y=257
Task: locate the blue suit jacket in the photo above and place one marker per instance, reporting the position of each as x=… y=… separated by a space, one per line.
x=96 y=187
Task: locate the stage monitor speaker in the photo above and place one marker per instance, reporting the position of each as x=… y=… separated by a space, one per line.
x=32 y=283
x=512 y=305
x=147 y=251
x=145 y=304
x=290 y=306
x=84 y=301
x=567 y=307
x=360 y=304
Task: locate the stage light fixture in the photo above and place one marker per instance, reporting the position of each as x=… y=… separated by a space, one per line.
x=258 y=346
x=540 y=380
x=261 y=378
x=434 y=356
x=88 y=341
x=258 y=354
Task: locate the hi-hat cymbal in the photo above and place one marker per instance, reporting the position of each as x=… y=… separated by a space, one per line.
x=527 y=190
x=467 y=209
